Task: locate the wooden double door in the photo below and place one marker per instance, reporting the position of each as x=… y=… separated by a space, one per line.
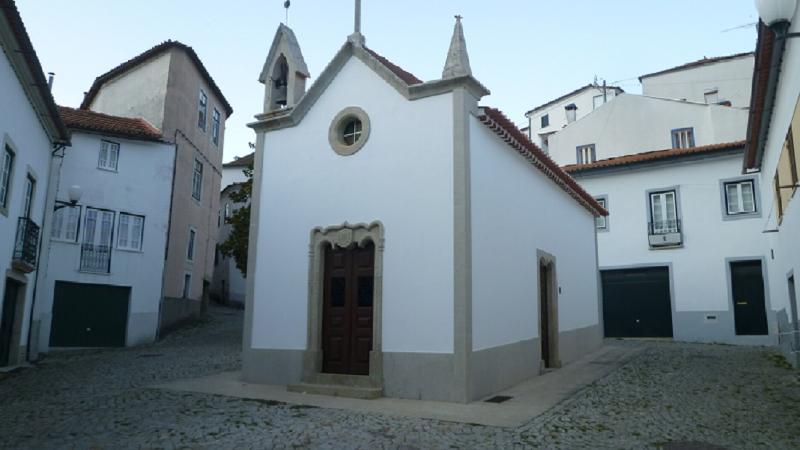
x=347 y=309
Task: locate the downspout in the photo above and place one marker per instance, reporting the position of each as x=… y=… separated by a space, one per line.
x=169 y=230
x=776 y=61
x=53 y=180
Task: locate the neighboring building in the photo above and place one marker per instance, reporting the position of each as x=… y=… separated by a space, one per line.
x=774 y=151
x=32 y=140
x=233 y=172
x=551 y=117
x=229 y=281
x=720 y=80
x=169 y=87
x=681 y=252
x=414 y=264
x=635 y=123
x=102 y=284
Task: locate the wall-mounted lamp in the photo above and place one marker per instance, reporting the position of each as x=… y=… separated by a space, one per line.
x=74 y=192
x=777 y=14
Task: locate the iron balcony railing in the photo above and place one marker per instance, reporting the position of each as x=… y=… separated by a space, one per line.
x=26 y=245
x=95 y=258
x=665 y=233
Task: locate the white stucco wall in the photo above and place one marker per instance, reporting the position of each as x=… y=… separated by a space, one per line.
x=785 y=243
x=699 y=267
x=634 y=124
x=139 y=92
x=235 y=287
x=22 y=130
x=141 y=186
x=584 y=100
x=732 y=79
x=402 y=177
x=514 y=215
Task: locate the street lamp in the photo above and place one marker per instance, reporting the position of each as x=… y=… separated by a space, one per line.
x=74 y=192
x=773 y=12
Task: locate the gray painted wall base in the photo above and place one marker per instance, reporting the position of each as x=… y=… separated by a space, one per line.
x=579 y=342
x=497 y=368
x=420 y=376
x=268 y=366
x=696 y=326
x=176 y=312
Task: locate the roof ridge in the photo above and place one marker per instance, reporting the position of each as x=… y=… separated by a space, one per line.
x=498 y=122
x=576 y=91
x=699 y=62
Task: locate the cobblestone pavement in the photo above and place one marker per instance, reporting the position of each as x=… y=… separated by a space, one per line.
x=733 y=397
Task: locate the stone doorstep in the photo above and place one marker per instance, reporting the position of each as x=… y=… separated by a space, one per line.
x=337 y=390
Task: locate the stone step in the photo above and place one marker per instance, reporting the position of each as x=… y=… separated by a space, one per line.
x=337 y=390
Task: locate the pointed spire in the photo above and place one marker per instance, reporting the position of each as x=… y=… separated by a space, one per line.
x=457 y=64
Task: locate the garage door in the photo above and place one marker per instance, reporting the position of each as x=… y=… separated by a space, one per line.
x=636 y=302
x=89 y=315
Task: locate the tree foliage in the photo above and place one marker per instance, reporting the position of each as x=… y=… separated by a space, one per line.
x=236 y=243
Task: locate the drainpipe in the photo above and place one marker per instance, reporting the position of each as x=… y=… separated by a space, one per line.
x=43 y=253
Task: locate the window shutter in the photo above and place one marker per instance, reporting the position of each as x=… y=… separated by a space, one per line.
x=748 y=199
x=113 y=154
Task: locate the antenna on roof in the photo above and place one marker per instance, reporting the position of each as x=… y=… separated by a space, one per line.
x=286 y=5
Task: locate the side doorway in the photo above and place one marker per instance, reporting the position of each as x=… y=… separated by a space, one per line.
x=11 y=320
x=747 y=292
x=548 y=314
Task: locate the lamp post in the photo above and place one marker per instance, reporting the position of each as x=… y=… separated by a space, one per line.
x=777 y=15
x=74 y=192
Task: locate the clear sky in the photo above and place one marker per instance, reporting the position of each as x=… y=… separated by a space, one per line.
x=525 y=51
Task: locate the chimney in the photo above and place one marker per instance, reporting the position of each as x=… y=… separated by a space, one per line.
x=50 y=76
x=571 y=111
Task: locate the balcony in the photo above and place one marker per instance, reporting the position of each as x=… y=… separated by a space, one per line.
x=26 y=246
x=95 y=258
x=666 y=233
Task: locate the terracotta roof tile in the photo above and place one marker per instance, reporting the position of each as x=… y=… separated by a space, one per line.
x=79 y=119
x=656 y=155
x=699 y=62
x=407 y=77
x=151 y=53
x=244 y=161
x=496 y=121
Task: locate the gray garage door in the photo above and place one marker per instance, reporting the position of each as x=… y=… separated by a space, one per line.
x=636 y=302
x=89 y=315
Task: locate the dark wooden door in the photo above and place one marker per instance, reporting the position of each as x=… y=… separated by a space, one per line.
x=636 y=302
x=544 y=314
x=347 y=310
x=7 y=320
x=89 y=315
x=747 y=285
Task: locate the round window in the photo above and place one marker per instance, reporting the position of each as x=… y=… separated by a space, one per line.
x=349 y=131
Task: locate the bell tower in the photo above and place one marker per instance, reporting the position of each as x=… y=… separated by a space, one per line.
x=284 y=73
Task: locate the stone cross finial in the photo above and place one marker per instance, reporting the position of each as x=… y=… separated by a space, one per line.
x=357 y=38
x=457 y=64
x=357 y=27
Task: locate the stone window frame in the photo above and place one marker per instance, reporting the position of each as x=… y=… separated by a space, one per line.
x=343 y=236
x=337 y=127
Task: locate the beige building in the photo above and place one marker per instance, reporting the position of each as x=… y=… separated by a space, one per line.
x=169 y=87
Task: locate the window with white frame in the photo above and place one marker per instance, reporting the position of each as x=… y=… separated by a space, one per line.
x=215 y=126
x=197 y=180
x=202 y=110
x=98 y=229
x=187 y=285
x=5 y=176
x=545 y=121
x=130 y=231
x=663 y=212
x=683 y=138
x=109 y=155
x=30 y=190
x=585 y=154
x=740 y=197
x=190 y=245
x=601 y=222
x=66 y=220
